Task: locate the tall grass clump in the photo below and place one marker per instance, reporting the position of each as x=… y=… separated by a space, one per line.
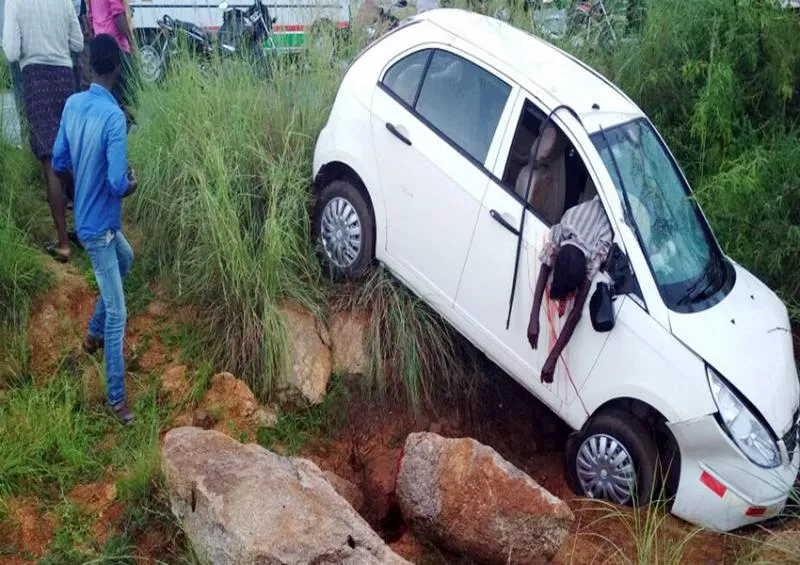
x=720 y=80
x=22 y=269
x=413 y=354
x=224 y=161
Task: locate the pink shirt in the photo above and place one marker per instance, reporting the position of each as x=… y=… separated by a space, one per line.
x=103 y=13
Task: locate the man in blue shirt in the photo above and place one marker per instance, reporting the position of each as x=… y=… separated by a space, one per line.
x=92 y=145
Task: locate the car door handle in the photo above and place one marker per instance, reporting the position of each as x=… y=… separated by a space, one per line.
x=500 y=219
x=398 y=134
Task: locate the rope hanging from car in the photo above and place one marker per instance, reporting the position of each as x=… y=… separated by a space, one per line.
x=532 y=168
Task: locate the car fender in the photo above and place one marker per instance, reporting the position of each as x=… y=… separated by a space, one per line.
x=644 y=361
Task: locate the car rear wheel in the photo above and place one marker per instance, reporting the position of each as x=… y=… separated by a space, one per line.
x=614 y=459
x=344 y=228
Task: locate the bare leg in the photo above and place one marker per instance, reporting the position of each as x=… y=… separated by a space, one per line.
x=55 y=197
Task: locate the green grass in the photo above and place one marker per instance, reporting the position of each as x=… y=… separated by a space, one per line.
x=5 y=74
x=297 y=428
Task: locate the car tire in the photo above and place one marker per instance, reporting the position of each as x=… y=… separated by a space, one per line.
x=344 y=230
x=614 y=435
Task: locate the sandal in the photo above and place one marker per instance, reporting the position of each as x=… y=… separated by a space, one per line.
x=57 y=254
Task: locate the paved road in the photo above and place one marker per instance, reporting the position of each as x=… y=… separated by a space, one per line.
x=9 y=122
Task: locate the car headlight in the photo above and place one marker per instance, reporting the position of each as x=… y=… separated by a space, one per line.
x=743 y=427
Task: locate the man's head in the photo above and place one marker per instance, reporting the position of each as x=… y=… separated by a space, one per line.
x=106 y=59
x=569 y=271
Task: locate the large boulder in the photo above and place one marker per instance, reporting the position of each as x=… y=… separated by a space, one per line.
x=241 y=504
x=348 y=341
x=309 y=355
x=463 y=496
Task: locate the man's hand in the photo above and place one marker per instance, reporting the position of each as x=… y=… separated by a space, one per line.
x=533 y=333
x=549 y=369
x=133 y=183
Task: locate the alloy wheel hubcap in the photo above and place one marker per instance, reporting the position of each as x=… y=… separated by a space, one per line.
x=605 y=469
x=150 y=63
x=341 y=232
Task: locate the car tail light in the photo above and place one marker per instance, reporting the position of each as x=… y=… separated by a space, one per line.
x=755 y=511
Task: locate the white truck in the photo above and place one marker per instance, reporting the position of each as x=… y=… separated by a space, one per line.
x=293 y=18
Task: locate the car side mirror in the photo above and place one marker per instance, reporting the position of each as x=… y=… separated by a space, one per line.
x=601 y=308
x=618 y=267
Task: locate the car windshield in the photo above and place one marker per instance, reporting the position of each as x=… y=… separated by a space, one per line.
x=675 y=237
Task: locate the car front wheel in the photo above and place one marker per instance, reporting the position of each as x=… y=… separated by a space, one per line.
x=614 y=459
x=344 y=228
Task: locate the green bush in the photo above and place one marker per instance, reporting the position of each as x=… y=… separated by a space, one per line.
x=720 y=81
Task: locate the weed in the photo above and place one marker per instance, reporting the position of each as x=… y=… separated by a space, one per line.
x=297 y=428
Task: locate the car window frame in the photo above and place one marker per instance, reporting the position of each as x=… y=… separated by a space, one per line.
x=433 y=47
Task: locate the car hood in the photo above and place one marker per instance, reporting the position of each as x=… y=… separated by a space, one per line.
x=748 y=339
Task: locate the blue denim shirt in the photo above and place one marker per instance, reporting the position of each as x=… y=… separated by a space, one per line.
x=92 y=143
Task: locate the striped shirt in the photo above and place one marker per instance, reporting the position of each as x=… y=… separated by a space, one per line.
x=585 y=226
x=41 y=32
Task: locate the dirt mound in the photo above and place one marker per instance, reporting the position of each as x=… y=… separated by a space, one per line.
x=27 y=530
x=59 y=319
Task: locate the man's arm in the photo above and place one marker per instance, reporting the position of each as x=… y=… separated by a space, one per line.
x=574 y=317
x=75 y=32
x=121 y=19
x=12 y=36
x=62 y=157
x=117 y=154
x=538 y=294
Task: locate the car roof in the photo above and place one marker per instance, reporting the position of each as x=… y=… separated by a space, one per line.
x=568 y=80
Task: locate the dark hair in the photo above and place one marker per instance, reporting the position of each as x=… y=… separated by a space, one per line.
x=106 y=56
x=568 y=272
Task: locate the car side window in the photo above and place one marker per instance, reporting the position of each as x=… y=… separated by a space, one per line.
x=404 y=77
x=463 y=101
x=545 y=168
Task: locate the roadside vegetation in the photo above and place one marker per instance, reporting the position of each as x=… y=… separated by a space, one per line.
x=222 y=215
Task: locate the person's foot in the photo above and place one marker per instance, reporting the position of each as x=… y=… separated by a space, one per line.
x=60 y=254
x=91 y=344
x=122 y=413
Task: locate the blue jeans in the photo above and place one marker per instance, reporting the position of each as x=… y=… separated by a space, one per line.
x=111 y=257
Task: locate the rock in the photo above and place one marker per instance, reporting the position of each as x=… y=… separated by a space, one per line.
x=309 y=356
x=202 y=419
x=265 y=418
x=347 y=490
x=233 y=407
x=242 y=504
x=347 y=330
x=174 y=385
x=463 y=496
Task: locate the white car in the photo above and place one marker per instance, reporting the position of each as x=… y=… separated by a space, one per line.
x=423 y=165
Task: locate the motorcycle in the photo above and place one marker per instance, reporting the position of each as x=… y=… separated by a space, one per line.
x=172 y=34
x=247 y=32
x=596 y=22
x=384 y=20
x=244 y=32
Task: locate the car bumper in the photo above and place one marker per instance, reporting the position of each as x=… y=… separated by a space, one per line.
x=719 y=487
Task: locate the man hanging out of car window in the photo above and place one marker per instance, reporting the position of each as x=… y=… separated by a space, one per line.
x=576 y=248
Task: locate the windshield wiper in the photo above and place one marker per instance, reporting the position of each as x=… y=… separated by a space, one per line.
x=704 y=285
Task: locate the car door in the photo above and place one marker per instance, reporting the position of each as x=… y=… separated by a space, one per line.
x=483 y=296
x=434 y=119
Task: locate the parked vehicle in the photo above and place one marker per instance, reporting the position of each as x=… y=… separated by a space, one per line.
x=172 y=34
x=248 y=31
x=244 y=32
x=294 y=17
x=386 y=18
x=418 y=168
x=597 y=22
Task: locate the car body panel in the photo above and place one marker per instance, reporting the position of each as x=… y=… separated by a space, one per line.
x=464 y=269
